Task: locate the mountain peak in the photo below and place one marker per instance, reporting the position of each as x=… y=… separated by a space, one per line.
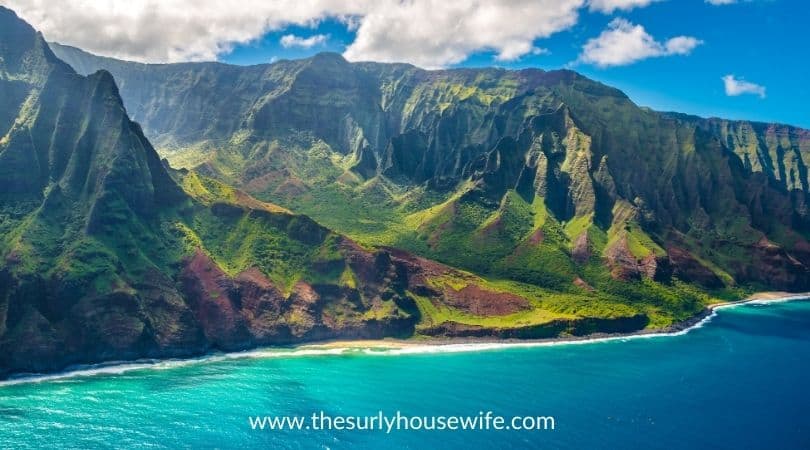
x=328 y=56
x=24 y=54
x=7 y=13
x=96 y=150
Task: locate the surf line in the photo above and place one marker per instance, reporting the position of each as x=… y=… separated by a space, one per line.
x=375 y=348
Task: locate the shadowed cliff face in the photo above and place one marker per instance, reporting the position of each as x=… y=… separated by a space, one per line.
x=442 y=153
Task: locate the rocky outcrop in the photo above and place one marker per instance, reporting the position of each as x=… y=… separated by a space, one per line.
x=626 y=266
x=248 y=310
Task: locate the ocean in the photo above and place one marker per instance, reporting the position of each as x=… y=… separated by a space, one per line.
x=740 y=380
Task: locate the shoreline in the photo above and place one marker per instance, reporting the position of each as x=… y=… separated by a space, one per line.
x=675 y=329
x=391 y=346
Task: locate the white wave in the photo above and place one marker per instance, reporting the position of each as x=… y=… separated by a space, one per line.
x=396 y=349
x=82 y=371
x=120 y=368
x=281 y=353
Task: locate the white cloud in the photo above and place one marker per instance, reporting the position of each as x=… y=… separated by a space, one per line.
x=721 y=2
x=169 y=30
x=436 y=33
x=430 y=33
x=680 y=45
x=737 y=86
x=520 y=50
x=609 y=6
x=291 y=40
x=624 y=43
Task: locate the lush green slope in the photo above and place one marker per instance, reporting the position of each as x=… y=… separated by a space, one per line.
x=106 y=256
x=555 y=205
x=541 y=177
x=106 y=253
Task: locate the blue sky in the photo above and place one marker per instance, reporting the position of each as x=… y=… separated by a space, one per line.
x=763 y=42
x=741 y=59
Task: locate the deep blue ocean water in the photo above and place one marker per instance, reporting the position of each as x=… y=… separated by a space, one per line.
x=740 y=381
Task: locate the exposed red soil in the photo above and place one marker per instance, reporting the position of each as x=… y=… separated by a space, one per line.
x=579 y=282
x=581 y=252
x=291 y=188
x=208 y=286
x=248 y=201
x=482 y=302
x=625 y=266
x=537 y=237
x=267 y=179
x=689 y=269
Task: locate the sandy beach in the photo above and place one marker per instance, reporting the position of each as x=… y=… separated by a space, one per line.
x=775 y=295
x=390 y=346
x=678 y=328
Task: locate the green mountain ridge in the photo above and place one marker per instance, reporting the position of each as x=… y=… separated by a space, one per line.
x=453 y=203
x=429 y=161
x=106 y=253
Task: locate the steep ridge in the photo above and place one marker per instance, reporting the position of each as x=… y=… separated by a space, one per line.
x=543 y=177
x=106 y=257
x=107 y=254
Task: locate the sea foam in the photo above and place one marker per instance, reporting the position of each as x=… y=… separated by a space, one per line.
x=396 y=349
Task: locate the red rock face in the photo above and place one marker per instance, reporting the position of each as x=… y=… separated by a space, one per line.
x=482 y=302
x=625 y=266
x=261 y=303
x=371 y=269
x=767 y=264
x=689 y=269
x=249 y=309
x=649 y=266
x=209 y=291
x=204 y=309
x=472 y=298
x=774 y=266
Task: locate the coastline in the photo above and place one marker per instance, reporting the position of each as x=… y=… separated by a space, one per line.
x=391 y=346
x=678 y=328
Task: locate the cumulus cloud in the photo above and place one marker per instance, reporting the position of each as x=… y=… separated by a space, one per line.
x=169 y=30
x=291 y=40
x=430 y=33
x=609 y=6
x=435 y=33
x=737 y=86
x=624 y=43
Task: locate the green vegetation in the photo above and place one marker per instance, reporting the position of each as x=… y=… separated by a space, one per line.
x=533 y=199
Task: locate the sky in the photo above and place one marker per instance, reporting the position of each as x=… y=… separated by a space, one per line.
x=738 y=59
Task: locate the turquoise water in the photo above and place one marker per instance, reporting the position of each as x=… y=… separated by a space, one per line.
x=740 y=381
